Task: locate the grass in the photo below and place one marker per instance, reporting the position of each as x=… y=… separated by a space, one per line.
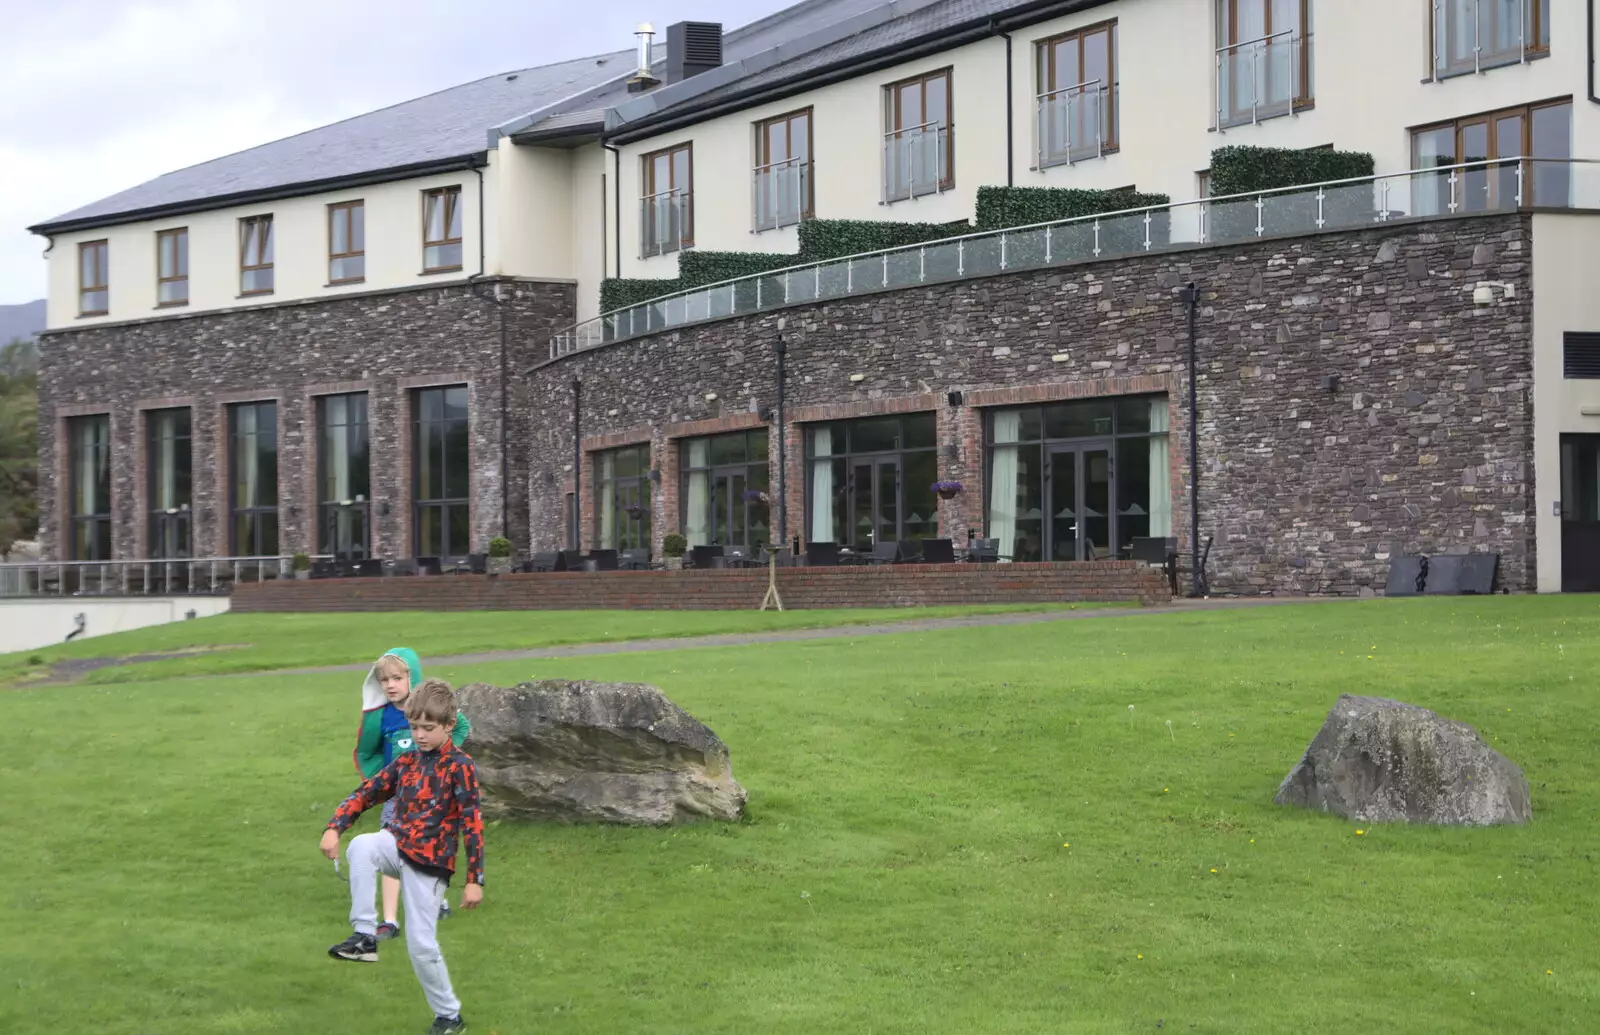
x=232 y=643
x=905 y=865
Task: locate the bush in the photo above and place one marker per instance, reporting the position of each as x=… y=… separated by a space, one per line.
x=302 y=562
x=673 y=544
x=822 y=239
x=1249 y=170
x=499 y=546
x=1003 y=207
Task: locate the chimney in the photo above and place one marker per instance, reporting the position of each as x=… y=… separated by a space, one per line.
x=643 y=79
x=692 y=48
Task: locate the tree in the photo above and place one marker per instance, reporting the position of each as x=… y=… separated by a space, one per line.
x=19 y=442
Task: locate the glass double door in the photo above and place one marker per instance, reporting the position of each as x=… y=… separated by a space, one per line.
x=735 y=519
x=1079 y=524
x=874 y=502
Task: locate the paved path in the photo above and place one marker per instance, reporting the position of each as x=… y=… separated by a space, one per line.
x=837 y=632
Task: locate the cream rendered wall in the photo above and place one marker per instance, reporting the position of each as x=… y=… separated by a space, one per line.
x=1566 y=251
x=1370 y=86
x=535 y=222
x=847 y=134
x=393 y=249
x=591 y=225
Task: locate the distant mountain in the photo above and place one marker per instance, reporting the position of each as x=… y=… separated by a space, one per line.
x=21 y=321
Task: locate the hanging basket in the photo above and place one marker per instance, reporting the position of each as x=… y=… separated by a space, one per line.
x=947 y=490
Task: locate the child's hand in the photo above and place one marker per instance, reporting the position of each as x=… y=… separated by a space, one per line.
x=471 y=896
x=330 y=845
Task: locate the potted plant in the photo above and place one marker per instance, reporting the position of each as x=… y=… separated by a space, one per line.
x=947 y=490
x=302 y=566
x=673 y=547
x=499 y=556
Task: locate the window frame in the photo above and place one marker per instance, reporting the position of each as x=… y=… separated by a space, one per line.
x=180 y=257
x=347 y=208
x=850 y=456
x=442 y=504
x=102 y=268
x=763 y=156
x=266 y=250
x=99 y=520
x=156 y=515
x=713 y=471
x=894 y=119
x=1044 y=71
x=1226 y=22
x=1440 y=69
x=648 y=190
x=640 y=530
x=253 y=509
x=452 y=198
x=356 y=429
x=1491 y=120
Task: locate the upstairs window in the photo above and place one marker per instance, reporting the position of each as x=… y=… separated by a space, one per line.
x=347 y=243
x=255 y=255
x=1077 y=77
x=1470 y=36
x=666 y=209
x=172 y=267
x=1264 y=59
x=916 y=137
x=441 y=230
x=782 y=180
x=94 y=294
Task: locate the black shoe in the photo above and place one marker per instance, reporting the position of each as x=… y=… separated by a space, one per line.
x=358 y=948
x=444 y=910
x=447 y=1026
x=386 y=931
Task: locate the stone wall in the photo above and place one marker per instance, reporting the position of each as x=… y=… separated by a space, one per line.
x=906 y=585
x=1424 y=445
x=383 y=343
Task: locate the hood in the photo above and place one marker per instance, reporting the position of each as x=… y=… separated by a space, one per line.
x=372 y=694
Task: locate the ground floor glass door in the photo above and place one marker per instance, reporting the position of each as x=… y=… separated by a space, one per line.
x=874 y=502
x=1081 y=515
x=1580 y=513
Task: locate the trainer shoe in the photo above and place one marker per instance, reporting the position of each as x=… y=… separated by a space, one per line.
x=386 y=930
x=444 y=910
x=358 y=948
x=447 y=1026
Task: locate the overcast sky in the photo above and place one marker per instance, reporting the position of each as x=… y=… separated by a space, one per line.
x=100 y=95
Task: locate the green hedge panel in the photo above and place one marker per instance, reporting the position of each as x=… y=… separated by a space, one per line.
x=1002 y=207
x=1244 y=170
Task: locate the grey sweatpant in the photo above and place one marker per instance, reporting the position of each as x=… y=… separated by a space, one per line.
x=372 y=854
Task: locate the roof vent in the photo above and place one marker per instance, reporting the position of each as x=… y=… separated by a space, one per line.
x=643 y=79
x=692 y=48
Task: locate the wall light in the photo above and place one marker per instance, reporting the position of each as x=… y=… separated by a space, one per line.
x=858 y=377
x=711 y=397
x=1060 y=357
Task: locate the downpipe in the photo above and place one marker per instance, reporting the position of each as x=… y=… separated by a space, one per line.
x=1190 y=296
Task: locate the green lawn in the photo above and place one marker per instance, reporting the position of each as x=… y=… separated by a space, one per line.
x=258 y=643
x=905 y=866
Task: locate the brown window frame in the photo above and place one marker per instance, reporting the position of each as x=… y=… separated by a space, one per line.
x=1539 y=11
x=1045 y=75
x=894 y=118
x=808 y=200
x=452 y=199
x=1227 y=22
x=647 y=179
x=245 y=223
x=360 y=253
x=1491 y=121
x=102 y=267
x=162 y=236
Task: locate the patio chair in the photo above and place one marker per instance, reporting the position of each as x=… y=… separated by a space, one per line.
x=736 y=557
x=429 y=566
x=822 y=555
x=984 y=551
x=325 y=569
x=938 y=551
x=603 y=560
x=398 y=568
x=571 y=560
x=371 y=568
x=887 y=552
x=704 y=556
x=551 y=561
x=1161 y=551
x=635 y=560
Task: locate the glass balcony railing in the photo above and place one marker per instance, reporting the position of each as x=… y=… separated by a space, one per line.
x=1263 y=78
x=1502 y=185
x=780 y=194
x=916 y=161
x=665 y=222
x=1075 y=123
x=1470 y=36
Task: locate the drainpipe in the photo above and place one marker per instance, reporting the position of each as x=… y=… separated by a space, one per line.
x=616 y=203
x=782 y=350
x=478 y=168
x=1190 y=296
x=577 y=465
x=1011 y=178
x=1590 y=37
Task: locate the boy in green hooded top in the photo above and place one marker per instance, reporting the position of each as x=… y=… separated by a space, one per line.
x=386 y=733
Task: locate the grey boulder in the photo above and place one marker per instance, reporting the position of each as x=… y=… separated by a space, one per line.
x=595 y=752
x=1376 y=761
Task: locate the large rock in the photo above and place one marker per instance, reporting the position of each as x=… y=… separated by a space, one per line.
x=1377 y=760
x=596 y=752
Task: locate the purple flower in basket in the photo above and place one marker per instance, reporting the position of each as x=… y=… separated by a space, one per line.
x=755 y=496
x=947 y=489
x=633 y=510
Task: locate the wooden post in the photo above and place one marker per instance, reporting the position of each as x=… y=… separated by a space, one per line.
x=772 y=599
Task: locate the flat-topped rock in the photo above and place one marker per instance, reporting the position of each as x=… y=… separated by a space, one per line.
x=1377 y=760
x=573 y=751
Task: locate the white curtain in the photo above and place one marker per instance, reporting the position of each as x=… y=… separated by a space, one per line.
x=250 y=466
x=697 y=527
x=1003 y=482
x=608 y=502
x=822 y=486
x=167 y=486
x=1160 y=472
